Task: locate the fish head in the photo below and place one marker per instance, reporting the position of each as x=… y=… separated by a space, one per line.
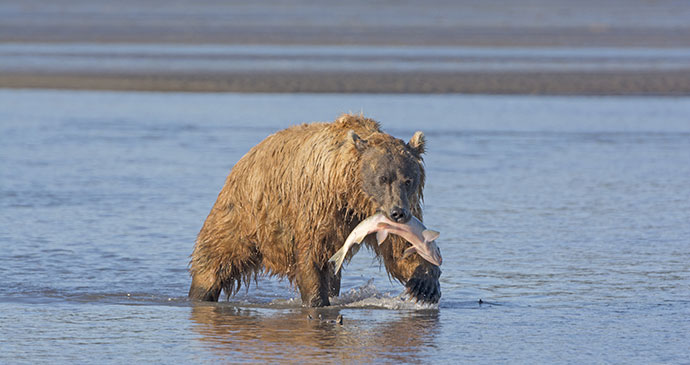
x=422 y=242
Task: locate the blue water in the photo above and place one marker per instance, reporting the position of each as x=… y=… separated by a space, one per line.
x=567 y=216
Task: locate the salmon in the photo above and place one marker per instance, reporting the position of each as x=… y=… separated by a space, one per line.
x=414 y=232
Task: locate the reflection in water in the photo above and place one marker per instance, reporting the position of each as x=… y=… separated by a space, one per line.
x=258 y=334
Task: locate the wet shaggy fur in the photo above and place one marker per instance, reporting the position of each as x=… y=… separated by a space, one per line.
x=288 y=205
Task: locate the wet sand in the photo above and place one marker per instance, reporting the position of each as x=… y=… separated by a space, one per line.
x=553 y=26
x=610 y=83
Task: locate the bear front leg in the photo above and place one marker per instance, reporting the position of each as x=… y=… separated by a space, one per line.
x=313 y=284
x=423 y=285
x=333 y=281
x=419 y=276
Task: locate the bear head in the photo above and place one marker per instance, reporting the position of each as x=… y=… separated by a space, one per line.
x=391 y=173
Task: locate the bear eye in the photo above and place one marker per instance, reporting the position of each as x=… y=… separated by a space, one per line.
x=383 y=180
x=408 y=183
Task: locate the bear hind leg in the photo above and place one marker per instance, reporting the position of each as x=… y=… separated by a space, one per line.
x=226 y=274
x=204 y=287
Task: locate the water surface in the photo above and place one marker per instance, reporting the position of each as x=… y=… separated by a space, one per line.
x=567 y=216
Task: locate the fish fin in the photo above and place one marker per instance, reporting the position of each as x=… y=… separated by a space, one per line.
x=381 y=236
x=430 y=235
x=409 y=251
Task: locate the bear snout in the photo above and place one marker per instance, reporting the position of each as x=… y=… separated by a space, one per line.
x=400 y=215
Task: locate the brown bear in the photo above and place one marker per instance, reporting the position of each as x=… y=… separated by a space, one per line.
x=288 y=205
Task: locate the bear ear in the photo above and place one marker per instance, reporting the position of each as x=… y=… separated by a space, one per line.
x=418 y=143
x=358 y=142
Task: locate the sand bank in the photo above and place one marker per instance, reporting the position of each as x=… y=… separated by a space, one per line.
x=540 y=47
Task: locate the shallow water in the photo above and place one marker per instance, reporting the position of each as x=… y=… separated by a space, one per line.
x=567 y=216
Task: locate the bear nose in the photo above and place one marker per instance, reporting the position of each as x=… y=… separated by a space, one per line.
x=399 y=215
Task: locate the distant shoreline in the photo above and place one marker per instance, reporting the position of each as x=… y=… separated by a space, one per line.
x=624 y=25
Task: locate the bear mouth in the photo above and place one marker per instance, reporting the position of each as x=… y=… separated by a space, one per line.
x=388 y=216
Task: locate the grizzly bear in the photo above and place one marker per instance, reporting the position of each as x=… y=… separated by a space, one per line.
x=288 y=205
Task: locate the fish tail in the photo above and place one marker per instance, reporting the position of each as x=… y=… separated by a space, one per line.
x=338 y=258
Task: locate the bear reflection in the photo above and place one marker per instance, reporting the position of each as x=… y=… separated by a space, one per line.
x=268 y=335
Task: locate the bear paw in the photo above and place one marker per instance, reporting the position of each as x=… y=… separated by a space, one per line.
x=424 y=286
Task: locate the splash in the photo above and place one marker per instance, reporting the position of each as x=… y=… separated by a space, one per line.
x=367 y=296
